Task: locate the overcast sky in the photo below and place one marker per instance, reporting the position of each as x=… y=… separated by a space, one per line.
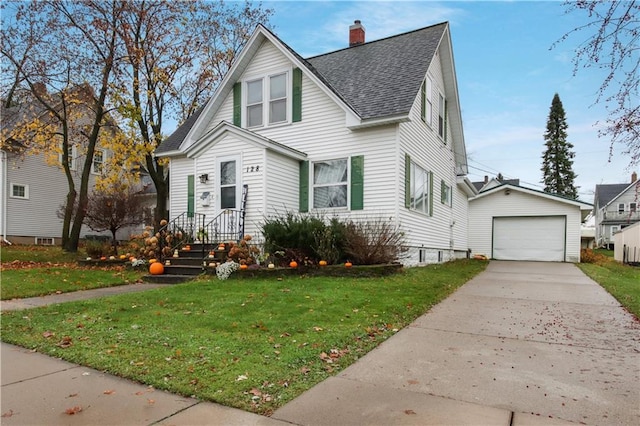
x=507 y=76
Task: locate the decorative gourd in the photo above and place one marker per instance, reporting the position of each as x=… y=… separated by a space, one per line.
x=293 y=264
x=271 y=266
x=152 y=261
x=123 y=257
x=103 y=258
x=156 y=268
x=322 y=263
x=348 y=265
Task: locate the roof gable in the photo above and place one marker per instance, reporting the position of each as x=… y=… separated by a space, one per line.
x=224 y=128
x=608 y=193
x=507 y=186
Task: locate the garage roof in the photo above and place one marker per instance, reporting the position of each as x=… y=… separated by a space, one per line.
x=585 y=207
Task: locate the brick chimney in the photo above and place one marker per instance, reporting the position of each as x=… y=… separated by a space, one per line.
x=356 y=33
x=634 y=177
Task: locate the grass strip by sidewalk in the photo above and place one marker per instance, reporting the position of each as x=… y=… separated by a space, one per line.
x=41 y=281
x=621 y=281
x=250 y=344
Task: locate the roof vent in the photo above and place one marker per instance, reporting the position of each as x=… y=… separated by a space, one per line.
x=356 y=33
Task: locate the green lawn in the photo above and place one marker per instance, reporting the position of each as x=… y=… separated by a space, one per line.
x=32 y=282
x=622 y=281
x=30 y=271
x=250 y=344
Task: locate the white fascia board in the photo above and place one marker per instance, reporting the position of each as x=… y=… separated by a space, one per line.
x=466 y=186
x=212 y=137
x=581 y=204
x=354 y=122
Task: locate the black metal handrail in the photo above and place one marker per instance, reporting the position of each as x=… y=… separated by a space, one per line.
x=227 y=226
x=182 y=230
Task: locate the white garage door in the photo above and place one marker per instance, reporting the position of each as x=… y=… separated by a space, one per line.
x=529 y=238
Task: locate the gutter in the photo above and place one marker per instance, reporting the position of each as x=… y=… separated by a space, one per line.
x=4 y=197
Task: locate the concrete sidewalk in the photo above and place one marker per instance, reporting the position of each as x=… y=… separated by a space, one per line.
x=522 y=343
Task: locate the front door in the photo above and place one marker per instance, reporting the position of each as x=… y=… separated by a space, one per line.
x=228 y=197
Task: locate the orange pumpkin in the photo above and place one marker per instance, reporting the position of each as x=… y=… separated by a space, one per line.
x=293 y=264
x=244 y=266
x=156 y=268
x=322 y=263
x=187 y=248
x=348 y=265
x=103 y=258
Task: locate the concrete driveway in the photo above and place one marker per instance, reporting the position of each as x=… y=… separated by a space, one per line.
x=522 y=343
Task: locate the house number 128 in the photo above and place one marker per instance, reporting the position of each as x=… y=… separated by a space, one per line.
x=253 y=169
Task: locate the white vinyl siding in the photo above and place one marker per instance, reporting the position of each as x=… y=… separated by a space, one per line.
x=445 y=229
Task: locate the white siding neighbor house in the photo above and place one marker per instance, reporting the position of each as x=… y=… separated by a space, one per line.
x=370 y=131
x=510 y=222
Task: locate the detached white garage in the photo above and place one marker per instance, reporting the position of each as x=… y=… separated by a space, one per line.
x=509 y=222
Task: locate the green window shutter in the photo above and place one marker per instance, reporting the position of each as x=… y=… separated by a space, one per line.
x=191 y=196
x=297 y=95
x=423 y=100
x=430 y=193
x=357 y=182
x=442 y=189
x=407 y=181
x=237 y=104
x=304 y=187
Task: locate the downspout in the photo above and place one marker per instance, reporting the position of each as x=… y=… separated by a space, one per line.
x=4 y=198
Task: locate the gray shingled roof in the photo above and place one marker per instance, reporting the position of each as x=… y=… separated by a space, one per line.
x=174 y=141
x=381 y=78
x=606 y=193
x=376 y=79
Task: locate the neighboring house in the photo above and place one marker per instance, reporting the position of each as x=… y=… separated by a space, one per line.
x=32 y=189
x=616 y=207
x=367 y=132
x=510 y=222
x=627 y=245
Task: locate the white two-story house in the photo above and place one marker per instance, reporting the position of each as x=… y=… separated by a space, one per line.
x=373 y=130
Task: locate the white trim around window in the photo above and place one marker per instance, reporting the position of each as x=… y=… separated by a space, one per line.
x=73 y=153
x=19 y=191
x=99 y=158
x=330 y=183
x=421 y=189
x=267 y=99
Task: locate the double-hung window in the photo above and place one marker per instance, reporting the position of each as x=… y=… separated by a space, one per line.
x=445 y=194
x=330 y=183
x=72 y=157
x=621 y=208
x=633 y=207
x=267 y=100
x=419 y=189
x=98 y=161
x=427 y=101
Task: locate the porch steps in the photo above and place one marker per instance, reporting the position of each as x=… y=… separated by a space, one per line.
x=188 y=265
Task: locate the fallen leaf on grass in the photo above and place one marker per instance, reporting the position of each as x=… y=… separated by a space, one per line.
x=409 y=412
x=73 y=395
x=48 y=334
x=241 y=377
x=65 y=342
x=8 y=413
x=74 y=410
x=109 y=392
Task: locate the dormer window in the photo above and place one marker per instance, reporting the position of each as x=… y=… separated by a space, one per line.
x=267 y=100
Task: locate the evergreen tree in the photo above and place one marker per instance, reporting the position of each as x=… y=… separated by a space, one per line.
x=557 y=160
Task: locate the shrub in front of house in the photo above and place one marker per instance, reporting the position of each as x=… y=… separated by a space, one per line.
x=308 y=238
